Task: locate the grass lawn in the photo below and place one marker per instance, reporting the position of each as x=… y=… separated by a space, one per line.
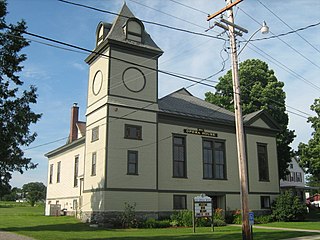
x=312 y=222
x=31 y=222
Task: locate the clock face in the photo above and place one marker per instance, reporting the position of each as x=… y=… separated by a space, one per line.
x=97 y=82
x=134 y=79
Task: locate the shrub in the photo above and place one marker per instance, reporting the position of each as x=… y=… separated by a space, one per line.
x=128 y=217
x=288 y=208
x=263 y=219
x=182 y=218
x=237 y=217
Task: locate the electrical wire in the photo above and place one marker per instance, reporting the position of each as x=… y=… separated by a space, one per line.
x=187 y=6
x=145 y=21
x=277 y=16
x=287 y=44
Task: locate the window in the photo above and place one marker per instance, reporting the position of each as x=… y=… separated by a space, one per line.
x=292 y=177
x=263 y=162
x=132 y=162
x=291 y=165
x=134 y=29
x=58 y=171
x=50 y=173
x=76 y=171
x=265 y=202
x=179 y=157
x=94 y=164
x=95 y=134
x=133 y=132
x=179 y=202
x=75 y=204
x=214 y=165
x=298 y=177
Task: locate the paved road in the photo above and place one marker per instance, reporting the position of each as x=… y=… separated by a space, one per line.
x=13 y=236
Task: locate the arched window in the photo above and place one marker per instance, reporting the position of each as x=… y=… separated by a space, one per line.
x=134 y=29
x=100 y=35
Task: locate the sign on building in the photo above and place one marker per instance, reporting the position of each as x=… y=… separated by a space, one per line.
x=202 y=207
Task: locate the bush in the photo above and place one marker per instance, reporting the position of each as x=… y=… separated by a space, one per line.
x=263 y=219
x=182 y=218
x=288 y=208
x=153 y=223
x=128 y=217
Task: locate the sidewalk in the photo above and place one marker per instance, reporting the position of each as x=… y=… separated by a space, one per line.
x=13 y=236
x=315 y=237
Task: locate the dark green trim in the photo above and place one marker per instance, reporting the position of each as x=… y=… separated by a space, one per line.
x=130 y=98
x=66 y=147
x=60 y=198
x=106 y=151
x=192 y=122
x=131 y=119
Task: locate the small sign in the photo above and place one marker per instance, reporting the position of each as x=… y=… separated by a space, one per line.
x=200 y=131
x=202 y=206
x=251 y=218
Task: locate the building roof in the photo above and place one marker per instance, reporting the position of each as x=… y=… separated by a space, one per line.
x=117 y=32
x=183 y=103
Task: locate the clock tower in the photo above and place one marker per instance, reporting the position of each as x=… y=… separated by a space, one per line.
x=122 y=106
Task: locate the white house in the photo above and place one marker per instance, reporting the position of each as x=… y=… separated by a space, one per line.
x=295 y=180
x=156 y=153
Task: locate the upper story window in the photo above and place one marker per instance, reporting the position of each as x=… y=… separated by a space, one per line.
x=58 y=171
x=179 y=157
x=76 y=171
x=214 y=161
x=51 y=173
x=100 y=35
x=95 y=134
x=263 y=162
x=134 y=29
x=132 y=132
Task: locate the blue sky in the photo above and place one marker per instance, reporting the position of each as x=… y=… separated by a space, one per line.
x=61 y=76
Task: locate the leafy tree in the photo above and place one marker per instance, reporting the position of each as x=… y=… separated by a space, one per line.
x=310 y=153
x=15 y=112
x=260 y=89
x=34 y=192
x=288 y=208
x=15 y=193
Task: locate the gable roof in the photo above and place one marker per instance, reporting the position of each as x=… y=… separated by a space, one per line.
x=183 y=103
x=250 y=118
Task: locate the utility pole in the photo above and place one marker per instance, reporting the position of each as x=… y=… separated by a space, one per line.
x=241 y=150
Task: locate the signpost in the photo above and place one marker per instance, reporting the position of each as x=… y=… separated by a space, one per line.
x=202 y=207
x=251 y=222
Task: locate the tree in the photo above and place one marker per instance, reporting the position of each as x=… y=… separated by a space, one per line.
x=260 y=89
x=288 y=207
x=15 y=112
x=310 y=153
x=34 y=192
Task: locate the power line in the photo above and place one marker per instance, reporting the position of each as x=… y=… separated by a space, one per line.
x=144 y=21
x=287 y=44
x=196 y=9
x=110 y=57
x=289 y=26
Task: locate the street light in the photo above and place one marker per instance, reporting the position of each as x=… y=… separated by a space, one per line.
x=264 y=30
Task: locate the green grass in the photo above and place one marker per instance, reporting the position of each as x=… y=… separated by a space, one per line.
x=30 y=221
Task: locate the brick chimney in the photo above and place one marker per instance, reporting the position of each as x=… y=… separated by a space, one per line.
x=74 y=119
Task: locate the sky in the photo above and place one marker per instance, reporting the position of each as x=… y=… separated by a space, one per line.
x=61 y=75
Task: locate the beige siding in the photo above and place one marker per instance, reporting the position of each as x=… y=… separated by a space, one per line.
x=96 y=118
x=95 y=101
x=117 y=155
x=253 y=170
x=64 y=192
x=194 y=180
x=117 y=87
